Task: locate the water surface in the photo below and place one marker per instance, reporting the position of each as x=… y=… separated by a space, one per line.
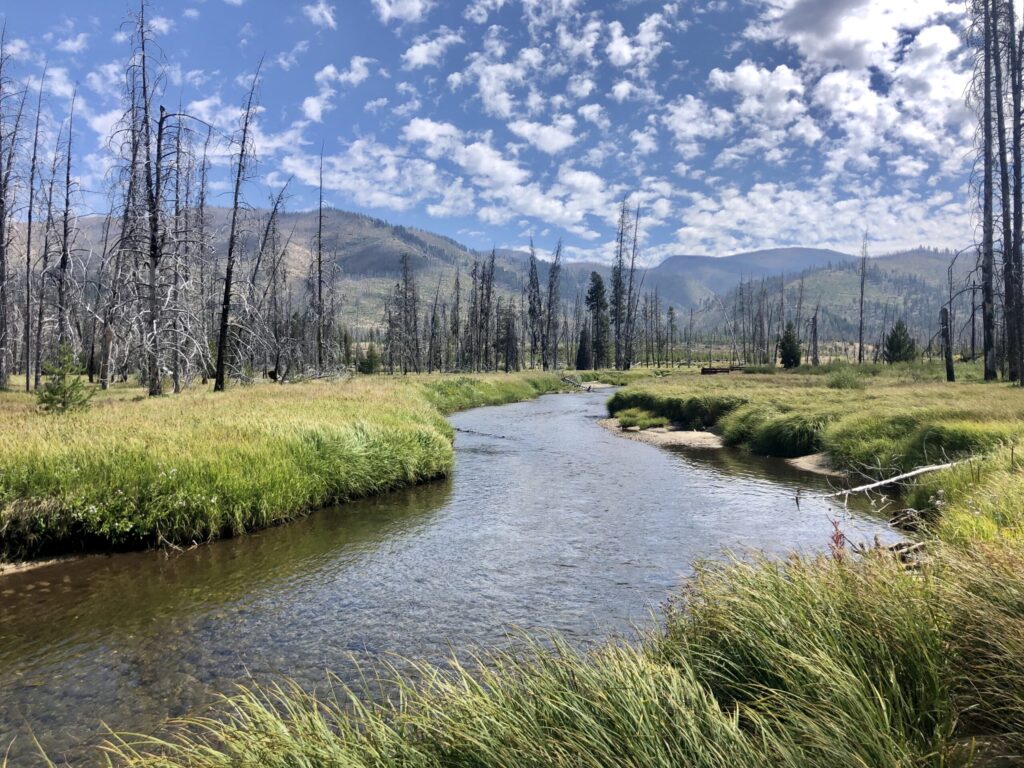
x=549 y=523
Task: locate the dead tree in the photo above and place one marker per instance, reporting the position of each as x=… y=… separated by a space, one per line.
x=232 y=254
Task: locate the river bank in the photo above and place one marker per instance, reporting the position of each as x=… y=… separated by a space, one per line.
x=135 y=473
x=836 y=660
x=873 y=423
x=527 y=532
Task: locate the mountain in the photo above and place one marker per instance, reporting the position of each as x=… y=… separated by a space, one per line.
x=367 y=253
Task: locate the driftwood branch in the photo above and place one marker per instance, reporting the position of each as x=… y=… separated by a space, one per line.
x=896 y=479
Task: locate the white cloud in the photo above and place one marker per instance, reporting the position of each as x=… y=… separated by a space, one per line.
x=403 y=11
x=288 y=59
x=17 y=49
x=594 y=113
x=855 y=34
x=771 y=97
x=321 y=14
x=495 y=79
x=439 y=138
x=581 y=45
x=427 y=51
x=371 y=174
x=542 y=13
x=772 y=214
x=314 y=107
x=646 y=141
x=160 y=25
x=479 y=10
x=75 y=44
x=551 y=139
x=457 y=200
x=639 y=51
x=191 y=13
x=691 y=121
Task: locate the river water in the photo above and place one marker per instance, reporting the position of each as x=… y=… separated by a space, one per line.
x=549 y=523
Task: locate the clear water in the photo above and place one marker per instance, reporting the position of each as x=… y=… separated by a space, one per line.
x=549 y=523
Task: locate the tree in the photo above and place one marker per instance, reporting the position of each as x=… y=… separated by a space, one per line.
x=549 y=340
x=241 y=166
x=64 y=391
x=900 y=347
x=583 y=359
x=789 y=347
x=536 y=306
x=860 y=313
x=597 y=305
x=371 y=362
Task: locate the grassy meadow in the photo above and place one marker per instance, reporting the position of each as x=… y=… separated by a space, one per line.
x=875 y=422
x=135 y=472
x=837 y=660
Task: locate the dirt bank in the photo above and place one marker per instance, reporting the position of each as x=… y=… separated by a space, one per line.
x=665 y=436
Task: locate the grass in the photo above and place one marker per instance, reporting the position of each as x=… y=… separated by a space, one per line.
x=812 y=662
x=638 y=417
x=141 y=472
x=832 y=661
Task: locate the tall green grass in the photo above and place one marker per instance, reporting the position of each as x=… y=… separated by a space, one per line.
x=830 y=661
x=811 y=662
x=136 y=473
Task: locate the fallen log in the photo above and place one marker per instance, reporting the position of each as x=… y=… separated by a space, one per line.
x=896 y=479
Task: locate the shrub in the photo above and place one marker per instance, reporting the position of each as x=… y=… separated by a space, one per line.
x=845 y=378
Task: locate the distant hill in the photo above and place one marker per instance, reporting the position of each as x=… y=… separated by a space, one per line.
x=367 y=252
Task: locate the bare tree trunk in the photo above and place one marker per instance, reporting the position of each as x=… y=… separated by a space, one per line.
x=815 y=360
x=988 y=319
x=225 y=307
x=947 y=344
x=320 y=270
x=1009 y=288
x=863 y=279
x=28 y=235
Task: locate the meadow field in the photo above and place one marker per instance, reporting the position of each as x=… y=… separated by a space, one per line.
x=134 y=472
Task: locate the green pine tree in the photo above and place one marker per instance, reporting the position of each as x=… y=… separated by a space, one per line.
x=64 y=390
x=370 y=363
x=899 y=346
x=789 y=347
x=584 y=362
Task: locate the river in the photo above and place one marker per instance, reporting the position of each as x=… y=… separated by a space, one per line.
x=549 y=523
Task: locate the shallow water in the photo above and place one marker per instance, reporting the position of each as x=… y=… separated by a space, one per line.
x=549 y=523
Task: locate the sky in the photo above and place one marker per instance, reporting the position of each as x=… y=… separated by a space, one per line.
x=734 y=124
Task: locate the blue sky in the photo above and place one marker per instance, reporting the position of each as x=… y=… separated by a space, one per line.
x=737 y=124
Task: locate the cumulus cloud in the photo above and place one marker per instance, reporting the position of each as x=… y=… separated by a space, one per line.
x=314 y=107
x=496 y=79
x=74 y=44
x=321 y=14
x=427 y=50
x=551 y=139
x=479 y=11
x=402 y=11
x=691 y=122
x=595 y=113
x=639 y=51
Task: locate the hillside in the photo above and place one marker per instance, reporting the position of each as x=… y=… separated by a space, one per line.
x=367 y=254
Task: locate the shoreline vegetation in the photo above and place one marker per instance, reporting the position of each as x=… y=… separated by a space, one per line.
x=133 y=473
x=844 y=659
